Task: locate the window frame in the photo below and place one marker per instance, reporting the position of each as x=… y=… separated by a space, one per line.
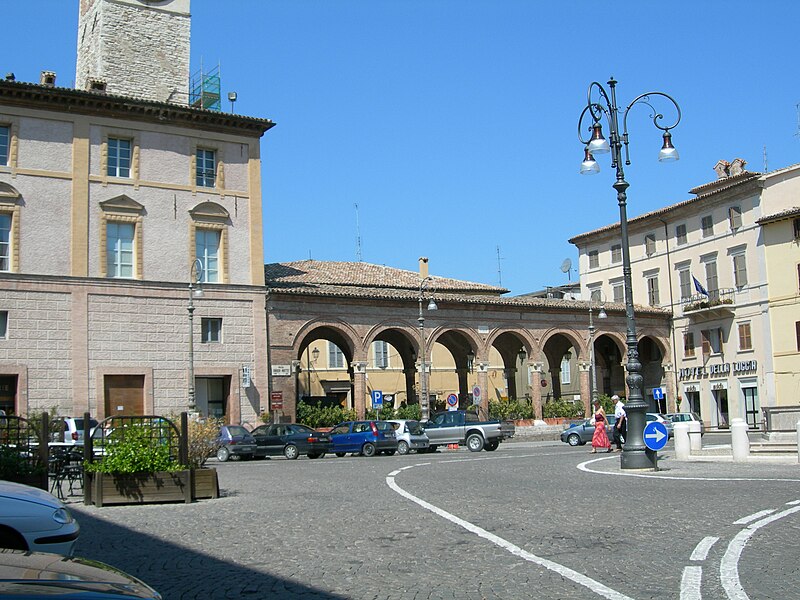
x=653 y=292
x=211 y=330
x=335 y=356
x=707 y=225
x=117 y=167
x=712 y=277
x=122 y=209
x=739 y=264
x=3 y=324
x=735 y=217
x=565 y=371
x=114 y=258
x=6 y=241
x=688 y=344
x=681 y=238
x=5 y=162
x=745 y=335
x=616 y=254
x=650 y=244
x=594 y=259
x=380 y=354
x=685 y=283
x=201 y=156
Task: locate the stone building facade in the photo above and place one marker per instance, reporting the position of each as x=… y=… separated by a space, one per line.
x=110 y=206
x=724 y=263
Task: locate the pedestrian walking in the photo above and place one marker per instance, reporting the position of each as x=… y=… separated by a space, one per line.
x=600 y=437
x=621 y=426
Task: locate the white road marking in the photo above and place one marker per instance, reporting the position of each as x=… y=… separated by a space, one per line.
x=793 y=503
x=729 y=565
x=701 y=550
x=579 y=578
x=690 y=583
x=584 y=467
x=754 y=517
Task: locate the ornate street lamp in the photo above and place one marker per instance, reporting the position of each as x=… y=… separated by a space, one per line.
x=424 y=288
x=195 y=291
x=634 y=453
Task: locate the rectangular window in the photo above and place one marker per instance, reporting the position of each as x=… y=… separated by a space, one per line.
x=712 y=282
x=206 y=167
x=119 y=158
x=707 y=225
x=211 y=330
x=650 y=244
x=381 y=350
x=596 y=295
x=207 y=250
x=5 y=142
x=652 y=291
x=688 y=344
x=566 y=375
x=745 y=342
x=616 y=254
x=712 y=341
x=739 y=270
x=335 y=356
x=619 y=292
x=594 y=259
x=5 y=242
x=797 y=334
x=3 y=324
x=680 y=234
x=119 y=249
x=796 y=225
x=685 y=283
x=735 y=217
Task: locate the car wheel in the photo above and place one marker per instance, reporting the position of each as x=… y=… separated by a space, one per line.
x=291 y=452
x=491 y=446
x=402 y=447
x=573 y=439
x=340 y=454
x=12 y=540
x=223 y=454
x=432 y=448
x=368 y=449
x=475 y=442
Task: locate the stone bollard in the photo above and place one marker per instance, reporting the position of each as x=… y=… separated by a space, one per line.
x=682 y=443
x=740 y=443
x=695 y=439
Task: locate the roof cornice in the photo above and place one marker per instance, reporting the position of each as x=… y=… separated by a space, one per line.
x=42 y=97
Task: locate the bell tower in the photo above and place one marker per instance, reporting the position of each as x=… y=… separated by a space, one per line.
x=135 y=48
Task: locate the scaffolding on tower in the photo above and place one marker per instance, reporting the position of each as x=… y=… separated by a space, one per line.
x=204 y=89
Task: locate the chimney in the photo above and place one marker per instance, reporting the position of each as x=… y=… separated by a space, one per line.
x=48 y=78
x=423 y=267
x=97 y=84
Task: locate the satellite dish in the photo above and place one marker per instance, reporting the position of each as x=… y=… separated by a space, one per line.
x=566 y=267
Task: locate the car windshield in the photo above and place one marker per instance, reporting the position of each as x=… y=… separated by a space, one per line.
x=384 y=425
x=301 y=429
x=79 y=424
x=237 y=430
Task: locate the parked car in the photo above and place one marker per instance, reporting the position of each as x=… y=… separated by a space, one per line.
x=410 y=436
x=581 y=433
x=235 y=440
x=291 y=440
x=32 y=519
x=664 y=420
x=72 y=432
x=40 y=575
x=367 y=438
x=686 y=417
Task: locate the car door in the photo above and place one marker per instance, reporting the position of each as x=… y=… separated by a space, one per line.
x=441 y=430
x=269 y=441
x=341 y=438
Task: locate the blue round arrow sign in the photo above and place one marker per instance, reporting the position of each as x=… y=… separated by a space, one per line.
x=655 y=435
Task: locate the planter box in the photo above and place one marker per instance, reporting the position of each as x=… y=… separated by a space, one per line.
x=139 y=488
x=556 y=420
x=35 y=480
x=205 y=484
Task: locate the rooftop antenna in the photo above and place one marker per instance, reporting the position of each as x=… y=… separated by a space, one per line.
x=499 y=269
x=566 y=267
x=358 y=236
x=766 y=169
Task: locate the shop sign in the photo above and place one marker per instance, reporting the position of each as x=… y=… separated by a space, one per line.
x=738 y=368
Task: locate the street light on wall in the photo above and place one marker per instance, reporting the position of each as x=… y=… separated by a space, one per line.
x=424 y=288
x=604 y=106
x=195 y=291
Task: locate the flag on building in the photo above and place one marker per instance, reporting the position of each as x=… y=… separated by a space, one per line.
x=699 y=287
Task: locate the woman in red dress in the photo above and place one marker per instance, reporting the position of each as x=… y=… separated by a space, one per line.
x=600 y=437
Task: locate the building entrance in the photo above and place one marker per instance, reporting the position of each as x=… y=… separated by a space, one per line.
x=124 y=395
x=721 y=408
x=8 y=394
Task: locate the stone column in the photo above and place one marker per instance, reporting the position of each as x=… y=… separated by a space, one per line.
x=463 y=387
x=511 y=382
x=536 y=387
x=586 y=387
x=483 y=382
x=359 y=387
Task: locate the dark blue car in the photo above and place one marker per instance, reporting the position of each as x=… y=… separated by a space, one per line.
x=367 y=438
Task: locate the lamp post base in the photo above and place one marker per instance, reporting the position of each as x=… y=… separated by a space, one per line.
x=639 y=458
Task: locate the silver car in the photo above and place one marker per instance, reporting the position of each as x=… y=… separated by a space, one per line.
x=410 y=436
x=686 y=417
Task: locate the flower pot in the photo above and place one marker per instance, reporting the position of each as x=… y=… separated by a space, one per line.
x=139 y=488
x=205 y=483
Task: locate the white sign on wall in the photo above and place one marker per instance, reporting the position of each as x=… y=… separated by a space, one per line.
x=281 y=370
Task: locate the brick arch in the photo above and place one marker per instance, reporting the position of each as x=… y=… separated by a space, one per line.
x=343 y=331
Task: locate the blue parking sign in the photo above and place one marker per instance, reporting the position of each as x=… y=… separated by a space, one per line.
x=377 y=398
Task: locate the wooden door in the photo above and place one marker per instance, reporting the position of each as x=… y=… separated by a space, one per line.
x=124 y=395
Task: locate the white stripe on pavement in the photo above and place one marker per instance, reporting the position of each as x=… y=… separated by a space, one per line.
x=701 y=550
x=754 y=517
x=690 y=583
x=579 y=578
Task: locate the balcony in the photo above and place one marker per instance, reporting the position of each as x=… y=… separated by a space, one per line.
x=717 y=305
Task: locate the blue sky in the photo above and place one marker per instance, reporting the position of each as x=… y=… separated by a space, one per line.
x=452 y=124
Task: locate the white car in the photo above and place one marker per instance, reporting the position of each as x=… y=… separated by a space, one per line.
x=32 y=519
x=410 y=436
x=71 y=433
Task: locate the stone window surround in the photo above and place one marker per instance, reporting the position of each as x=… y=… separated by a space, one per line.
x=13 y=143
x=122 y=134
x=219 y=177
x=9 y=205
x=100 y=380
x=122 y=209
x=210 y=216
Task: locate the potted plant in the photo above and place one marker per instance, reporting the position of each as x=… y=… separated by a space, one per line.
x=203 y=442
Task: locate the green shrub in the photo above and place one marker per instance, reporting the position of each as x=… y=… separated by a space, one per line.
x=510 y=410
x=409 y=411
x=12 y=465
x=323 y=416
x=561 y=408
x=135 y=452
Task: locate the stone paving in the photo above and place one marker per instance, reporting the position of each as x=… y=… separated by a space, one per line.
x=334 y=529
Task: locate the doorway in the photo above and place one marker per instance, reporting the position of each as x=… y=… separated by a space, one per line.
x=8 y=394
x=124 y=395
x=721 y=405
x=211 y=396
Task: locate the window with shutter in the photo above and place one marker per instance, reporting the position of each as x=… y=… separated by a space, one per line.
x=735 y=217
